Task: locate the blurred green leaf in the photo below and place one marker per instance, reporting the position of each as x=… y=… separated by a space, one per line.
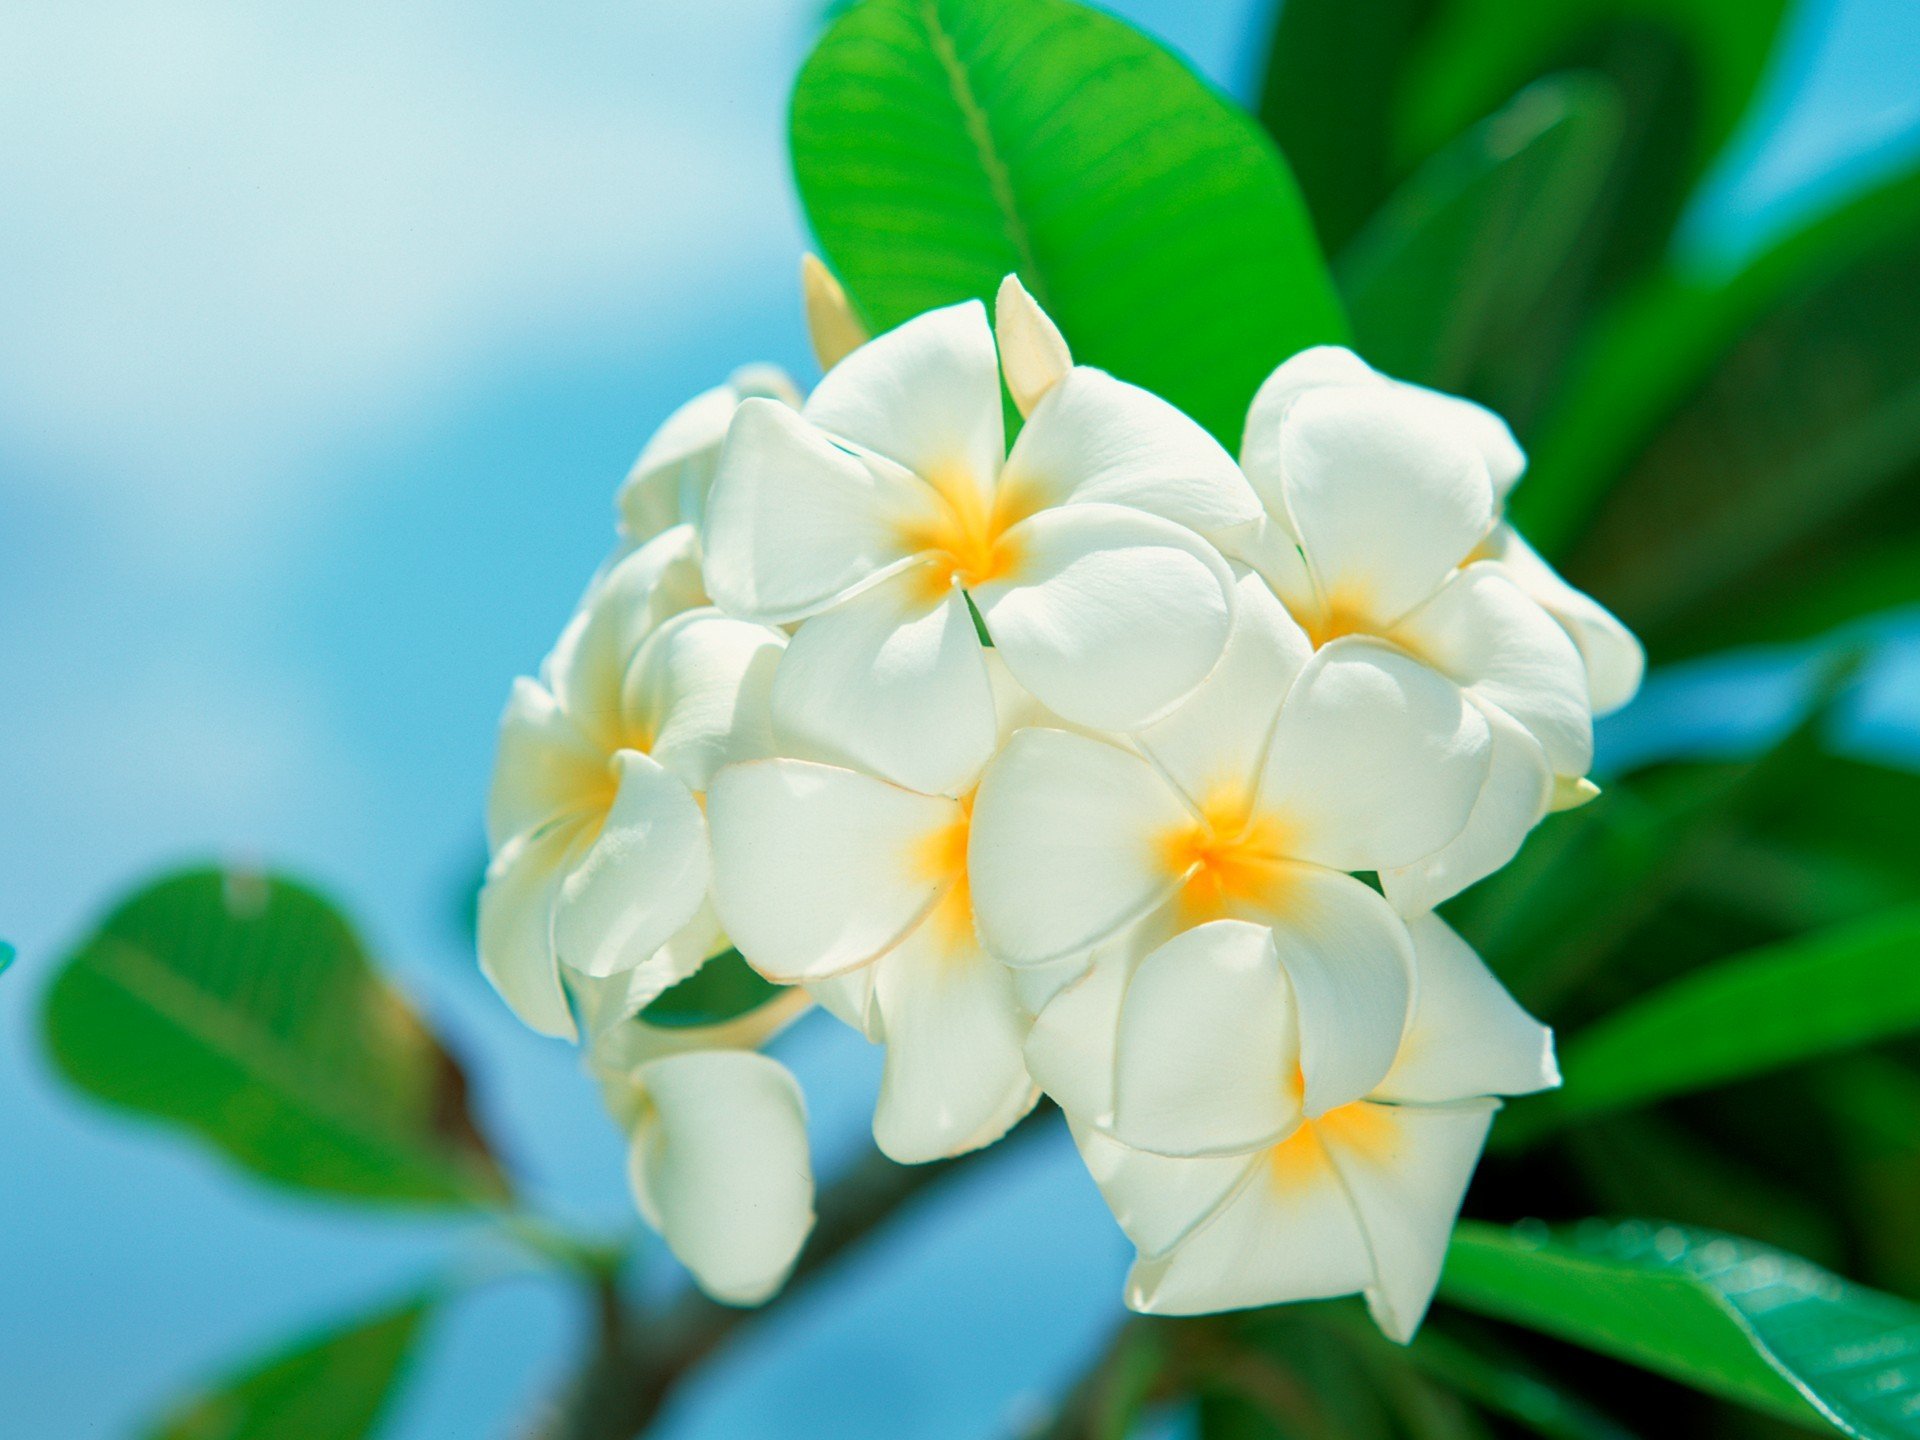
x=723 y=988
x=1788 y=1003
x=1500 y=1383
x=6 y=956
x=330 y=1386
x=1725 y=434
x=1447 y=270
x=941 y=144
x=1728 y=1316
x=243 y=1007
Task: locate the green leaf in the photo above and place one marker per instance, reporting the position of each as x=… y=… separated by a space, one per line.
x=330 y=1386
x=243 y=1008
x=941 y=144
x=720 y=990
x=1785 y=1004
x=1725 y=433
x=1725 y=1315
x=1500 y=1383
x=6 y=956
x=1449 y=268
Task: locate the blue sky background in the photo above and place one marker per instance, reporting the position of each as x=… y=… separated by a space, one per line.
x=327 y=335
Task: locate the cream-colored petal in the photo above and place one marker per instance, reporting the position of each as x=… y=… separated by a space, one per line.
x=796 y=523
x=926 y=395
x=893 y=681
x=516 y=925
x=697 y=694
x=544 y=768
x=1513 y=799
x=720 y=1167
x=1616 y=661
x=954 y=1078
x=643 y=878
x=1100 y=440
x=836 y=332
x=1468 y=1036
x=1376 y=760
x=1033 y=353
x=1209 y=1046
x=1157 y=1200
x=1065 y=847
x=1483 y=631
x=1385 y=502
x=818 y=869
x=1212 y=743
x=1110 y=616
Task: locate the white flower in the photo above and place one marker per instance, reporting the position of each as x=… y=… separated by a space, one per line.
x=1286 y=769
x=889 y=505
x=1265 y=1202
x=600 y=860
x=668 y=484
x=718 y=1156
x=835 y=878
x=1382 y=502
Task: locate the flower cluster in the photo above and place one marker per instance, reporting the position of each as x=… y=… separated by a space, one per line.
x=1097 y=764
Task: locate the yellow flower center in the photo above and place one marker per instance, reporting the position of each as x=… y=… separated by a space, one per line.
x=1302 y=1157
x=943 y=858
x=1226 y=859
x=966 y=538
x=1339 y=614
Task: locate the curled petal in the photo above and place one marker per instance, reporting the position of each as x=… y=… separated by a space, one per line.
x=1110 y=616
x=926 y=395
x=1208 y=1049
x=1064 y=849
x=1033 y=353
x=893 y=681
x=831 y=324
x=1468 y=1036
x=640 y=882
x=818 y=869
x=1376 y=760
x=516 y=926
x=1615 y=659
x=720 y=1167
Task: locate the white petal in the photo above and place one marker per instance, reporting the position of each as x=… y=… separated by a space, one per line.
x=1033 y=353
x=1070 y=1047
x=1065 y=844
x=954 y=1077
x=1213 y=740
x=893 y=681
x=720 y=1166
x=516 y=926
x=545 y=767
x=697 y=693
x=926 y=395
x=1350 y=963
x=644 y=877
x=1517 y=791
x=1208 y=1048
x=628 y=603
x=1312 y=368
x=1288 y=1233
x=1270 y=547
x=1473 y=425
x=1406 y=1169
x=835 y=330
x=818 y=869
x=1615 y=659
x=1468 y=1036
x=848 y=997
x=1038 y=986
x=603 y=1003
x=1158 y=1200
x=1376 y=760
x=1386 y=504
x=1111 y=615
x=1484 y=632
x=1095 y=438
x=794 y=522
x=677 y=462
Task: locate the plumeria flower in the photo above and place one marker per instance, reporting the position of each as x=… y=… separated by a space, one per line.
x=1234 y=1194
x=1382 y=501
x=835 y=878
x=600 y=858
x=887 y=512
x=718 y=1157
x=668 y=484
x=1286 y=770
x=1614 y=658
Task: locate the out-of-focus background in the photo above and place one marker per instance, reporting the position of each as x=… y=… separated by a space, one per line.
x=324 y=339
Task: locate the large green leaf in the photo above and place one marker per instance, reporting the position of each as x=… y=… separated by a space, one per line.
x=1449 y=268
x=243 y=1008
x=1723 y=433
x=1728 y=1316
x=940 y=144
x=1792 y=1002
x=331 y=1386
